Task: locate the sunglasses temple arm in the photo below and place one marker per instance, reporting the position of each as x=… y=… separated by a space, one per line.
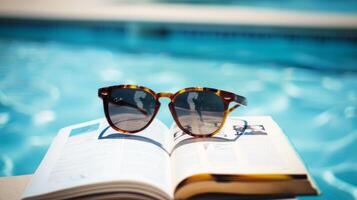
x=240 y=100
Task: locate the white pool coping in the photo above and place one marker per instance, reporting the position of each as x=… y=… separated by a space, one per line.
x=111 y=10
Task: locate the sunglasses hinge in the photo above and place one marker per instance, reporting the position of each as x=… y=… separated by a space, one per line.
x=103 y=92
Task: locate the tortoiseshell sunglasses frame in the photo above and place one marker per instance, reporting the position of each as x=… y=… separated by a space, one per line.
x=227 y=98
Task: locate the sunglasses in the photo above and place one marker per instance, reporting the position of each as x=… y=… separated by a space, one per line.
x=197 y=111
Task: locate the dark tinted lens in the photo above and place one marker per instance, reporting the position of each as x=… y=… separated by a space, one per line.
x=131 y=109
x=200 y=113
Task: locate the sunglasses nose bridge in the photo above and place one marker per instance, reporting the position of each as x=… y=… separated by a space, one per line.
x=164 y=95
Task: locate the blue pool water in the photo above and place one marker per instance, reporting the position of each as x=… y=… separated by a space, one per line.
x=49 y=76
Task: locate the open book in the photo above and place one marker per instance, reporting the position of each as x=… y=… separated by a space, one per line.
x=250 y=156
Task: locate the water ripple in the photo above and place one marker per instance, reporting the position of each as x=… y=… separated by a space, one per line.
x=331 y=179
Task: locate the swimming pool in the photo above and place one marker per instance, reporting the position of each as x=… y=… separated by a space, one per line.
x=50 y=73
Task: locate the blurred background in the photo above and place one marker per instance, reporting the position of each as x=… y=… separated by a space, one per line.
x=295 y=60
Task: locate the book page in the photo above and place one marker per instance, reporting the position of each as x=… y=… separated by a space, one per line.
x=92 y=153
x=249 y=145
